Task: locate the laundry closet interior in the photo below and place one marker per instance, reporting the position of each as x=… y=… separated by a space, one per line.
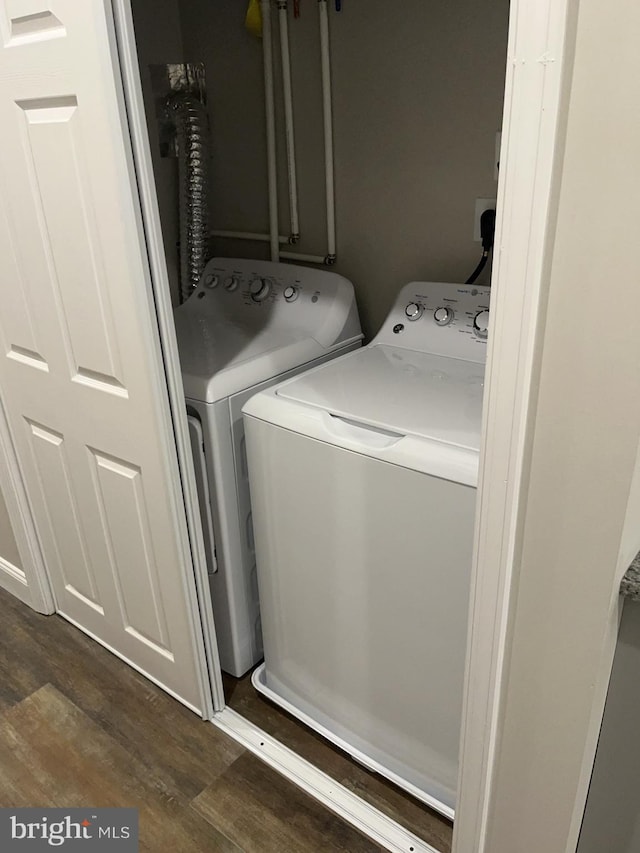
x=405 y=165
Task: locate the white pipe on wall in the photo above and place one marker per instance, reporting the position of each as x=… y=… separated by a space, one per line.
x=328 y=127
x=287 y=94
x=270 y=111
x=309 y=259
x=273 y=237
x=249 y=235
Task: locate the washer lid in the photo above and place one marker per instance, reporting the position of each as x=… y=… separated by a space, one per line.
x=398 y=390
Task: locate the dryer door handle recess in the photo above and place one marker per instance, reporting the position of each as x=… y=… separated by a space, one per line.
x=365 y=435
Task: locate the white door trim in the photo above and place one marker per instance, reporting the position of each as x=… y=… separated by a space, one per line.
x=186 y=496
x=338 y=799
x=152 y=297
x=29 y=583
x=537 y=57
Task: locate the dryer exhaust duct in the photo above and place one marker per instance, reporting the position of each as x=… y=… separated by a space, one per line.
x=183 y=130
x=192 y=137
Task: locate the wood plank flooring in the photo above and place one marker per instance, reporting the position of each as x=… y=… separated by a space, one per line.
x=80 y=728
x=415 y=816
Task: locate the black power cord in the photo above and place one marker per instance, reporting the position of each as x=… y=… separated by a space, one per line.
x=487 y=232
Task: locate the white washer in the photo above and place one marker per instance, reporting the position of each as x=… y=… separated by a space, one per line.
x=248 y=324
x=363 y=478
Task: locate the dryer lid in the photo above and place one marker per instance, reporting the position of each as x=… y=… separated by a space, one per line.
x=398 y=390
x=228 y=341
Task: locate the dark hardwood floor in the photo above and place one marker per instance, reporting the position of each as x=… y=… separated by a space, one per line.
x=80 y=728
x=415 y=816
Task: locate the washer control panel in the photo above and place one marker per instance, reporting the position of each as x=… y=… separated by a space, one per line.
x=440 y=318
x=414 y=311
x=443 y=315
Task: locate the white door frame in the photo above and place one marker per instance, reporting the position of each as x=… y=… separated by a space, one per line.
x=541 y=34
x=185 y=488
x=537 y=57
x=544 y=620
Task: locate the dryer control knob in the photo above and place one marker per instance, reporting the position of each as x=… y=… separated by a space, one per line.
x=414 y=311
x=291 y=293
x=481 y=324
x=443 y=316
x=259 y=289
x=211 y=280
x=231 y=283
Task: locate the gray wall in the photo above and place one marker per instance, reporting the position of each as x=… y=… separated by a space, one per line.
x=8 y=546
x=612 y=816
x=159 y=42
x=418 y=91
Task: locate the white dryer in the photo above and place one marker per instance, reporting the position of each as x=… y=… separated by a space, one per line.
x=248 y=325
x=363 y=478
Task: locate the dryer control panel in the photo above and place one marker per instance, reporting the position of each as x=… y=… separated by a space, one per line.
x=265 y=296
x=249 y=321
x=439 y=318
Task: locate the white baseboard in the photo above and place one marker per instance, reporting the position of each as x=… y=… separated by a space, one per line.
x=14 y=581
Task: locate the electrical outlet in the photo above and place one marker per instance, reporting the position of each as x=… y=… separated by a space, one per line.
x=482 y=204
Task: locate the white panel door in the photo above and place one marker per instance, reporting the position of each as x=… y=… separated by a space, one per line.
x=80 y=369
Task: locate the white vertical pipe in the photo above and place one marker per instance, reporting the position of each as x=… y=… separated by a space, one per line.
x=270 y=110
x=328 y=126
x=288 y=117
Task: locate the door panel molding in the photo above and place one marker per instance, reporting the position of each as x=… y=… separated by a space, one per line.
x=37 y=26
x=85 y=394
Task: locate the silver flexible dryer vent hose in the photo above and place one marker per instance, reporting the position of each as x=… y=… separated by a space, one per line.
x=192 y=135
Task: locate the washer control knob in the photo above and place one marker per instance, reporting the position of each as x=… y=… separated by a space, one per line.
x=291 y=293
x=231 y=283
x=259 y=289
x=414 y=311
x=443 y=316
x=481 y=324
x=211 y=280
